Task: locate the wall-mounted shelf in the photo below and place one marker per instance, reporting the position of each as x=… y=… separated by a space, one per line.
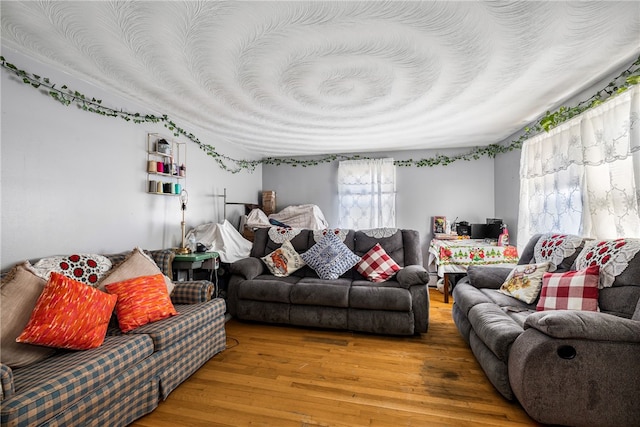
x=166 y=165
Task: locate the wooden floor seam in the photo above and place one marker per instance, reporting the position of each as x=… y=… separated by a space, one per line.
x=273 y=375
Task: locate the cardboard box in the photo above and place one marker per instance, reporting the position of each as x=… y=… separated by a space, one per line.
x=269 y=202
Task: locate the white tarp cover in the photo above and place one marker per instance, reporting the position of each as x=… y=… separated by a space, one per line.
x=223 y=239
x=297 y=216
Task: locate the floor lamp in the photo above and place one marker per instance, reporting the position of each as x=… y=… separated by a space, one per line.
x=184 y=198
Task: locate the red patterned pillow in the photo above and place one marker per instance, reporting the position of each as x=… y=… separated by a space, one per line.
x=573 y=290
x=141 y=300
x=85 y=268
x=69 y=314
x=376 y=265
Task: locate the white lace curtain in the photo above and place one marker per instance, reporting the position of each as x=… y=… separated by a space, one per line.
x=367 y=193
x=583 y=177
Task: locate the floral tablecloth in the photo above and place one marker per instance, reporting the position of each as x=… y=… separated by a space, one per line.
x=454 y=256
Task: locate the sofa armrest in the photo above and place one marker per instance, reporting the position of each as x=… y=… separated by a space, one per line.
x=585 y=325
x=192 y=292
x=575 y=381
x=6 y=382
x=412 y=275
x=415 y=278
x=486 y=276
x=248 y=268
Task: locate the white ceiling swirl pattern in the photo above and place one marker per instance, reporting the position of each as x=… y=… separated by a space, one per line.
x=300 y=78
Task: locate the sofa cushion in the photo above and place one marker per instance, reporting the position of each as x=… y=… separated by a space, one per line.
x=330 y=258
x=506 y=302
x=495 y=328
x=524 y=282
x=167 y=332
x=85 y=268
x=19 y=292
x=559 y=250
x=267 y=288
x=486 y=276
x=619 y=261
x=467 y=296
x=619 y=300
x=379 y=296
x=69 y=314
x=329 y=293
x=66 y=377
x=376 y=265
x=264 y=311
x=390 y=239
x=527 y=255
x=573 y=290
x=381 y=321
x=319 y=316
x=283 y=261
x=141 y=300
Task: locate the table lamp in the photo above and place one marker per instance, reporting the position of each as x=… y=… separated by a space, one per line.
x=184 y=198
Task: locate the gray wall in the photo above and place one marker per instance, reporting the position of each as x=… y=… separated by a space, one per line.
x=74 y=181
x=471 y=191
x=461 y=189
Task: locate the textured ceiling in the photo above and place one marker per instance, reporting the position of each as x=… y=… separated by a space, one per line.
x=294 y=78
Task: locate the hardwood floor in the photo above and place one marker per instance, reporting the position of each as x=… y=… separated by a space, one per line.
x=288 y=376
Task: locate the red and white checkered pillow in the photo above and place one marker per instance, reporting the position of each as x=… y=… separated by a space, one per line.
x=376 y=265
x=573 y=290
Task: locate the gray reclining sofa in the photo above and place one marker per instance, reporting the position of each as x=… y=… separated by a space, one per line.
x=565 y=367
x=399 y=306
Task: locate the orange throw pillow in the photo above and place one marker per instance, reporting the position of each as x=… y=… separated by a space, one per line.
x=69 y=314
x=141 y=300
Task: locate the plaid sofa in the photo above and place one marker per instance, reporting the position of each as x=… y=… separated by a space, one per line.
x=128 y=375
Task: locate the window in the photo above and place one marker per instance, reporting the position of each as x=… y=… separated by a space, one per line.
x=367 y=193
x=583 y=177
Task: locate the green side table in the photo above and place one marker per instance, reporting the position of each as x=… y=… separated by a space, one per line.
x=194 y=261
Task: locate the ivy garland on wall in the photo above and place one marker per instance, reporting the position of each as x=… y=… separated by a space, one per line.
x=67 y=96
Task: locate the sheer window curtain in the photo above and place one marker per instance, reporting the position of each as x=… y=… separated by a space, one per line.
x=367 y=193
x=583 y=177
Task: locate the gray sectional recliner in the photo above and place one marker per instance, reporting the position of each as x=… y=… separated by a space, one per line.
x=399 y=306
x=565 y=367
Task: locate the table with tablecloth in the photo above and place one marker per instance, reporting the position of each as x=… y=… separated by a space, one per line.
x=456 y=255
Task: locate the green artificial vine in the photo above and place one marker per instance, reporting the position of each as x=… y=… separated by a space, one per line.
x=67 y=96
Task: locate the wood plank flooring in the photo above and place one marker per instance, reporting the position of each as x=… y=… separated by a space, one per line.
x=288 y=376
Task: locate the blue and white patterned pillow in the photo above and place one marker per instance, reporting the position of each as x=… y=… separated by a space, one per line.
x=330 y=258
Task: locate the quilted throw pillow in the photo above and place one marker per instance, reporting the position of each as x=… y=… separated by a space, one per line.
x=376 y=265
x=524 y=282
x=329 y=257
x=85 y=268
x=69 y=314
x=612 y=256
x=284 y=260
x=573 y=290
x=554 y=248
x=141 y=300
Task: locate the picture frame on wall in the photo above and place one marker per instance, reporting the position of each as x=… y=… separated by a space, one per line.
x=439 y=224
